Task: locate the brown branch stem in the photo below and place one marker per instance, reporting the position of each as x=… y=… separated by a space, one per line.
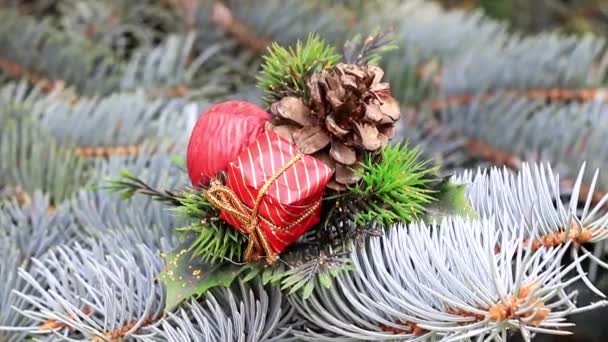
x=17 y=71
x=222 y=17
x=551 y=95
x=107 y=151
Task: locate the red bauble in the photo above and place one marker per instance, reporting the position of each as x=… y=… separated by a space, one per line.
x=220 y=134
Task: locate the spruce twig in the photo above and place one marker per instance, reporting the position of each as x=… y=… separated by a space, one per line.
x=369 y=50
x=286 y=70
x=393 y=187
x=130 y=185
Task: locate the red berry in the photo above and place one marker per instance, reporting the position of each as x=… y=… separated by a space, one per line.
x=220 y=134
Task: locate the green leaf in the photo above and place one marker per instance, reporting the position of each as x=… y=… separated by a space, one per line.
x=451 y=201
x=186 y=276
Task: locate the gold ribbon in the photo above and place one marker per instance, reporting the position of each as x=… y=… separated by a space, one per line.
x=225 y=199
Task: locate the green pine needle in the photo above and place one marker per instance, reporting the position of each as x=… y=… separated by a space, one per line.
x=285 y=70
x=194 y=205
x=129 y=185
x=393 y=188
x=216 y=241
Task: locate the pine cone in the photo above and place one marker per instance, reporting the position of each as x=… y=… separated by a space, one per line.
x=349 y=112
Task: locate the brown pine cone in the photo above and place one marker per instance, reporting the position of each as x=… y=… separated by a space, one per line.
x=349 y=112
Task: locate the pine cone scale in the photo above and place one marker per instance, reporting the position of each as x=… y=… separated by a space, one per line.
x=311 y=139
x=292 y=108
x=369 y=136
x=342 y=154
x=334 y=128
x=346 y=175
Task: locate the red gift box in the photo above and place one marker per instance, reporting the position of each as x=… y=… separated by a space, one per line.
x=290 y=185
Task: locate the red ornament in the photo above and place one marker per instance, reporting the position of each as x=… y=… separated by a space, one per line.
x=273 y=193
x=220 y=134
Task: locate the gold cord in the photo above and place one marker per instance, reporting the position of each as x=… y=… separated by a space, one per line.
x=225 y=199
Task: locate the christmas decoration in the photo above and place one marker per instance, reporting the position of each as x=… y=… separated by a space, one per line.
x=349 y=112
x=272 y=193
x=220 y=134
x=400 y=254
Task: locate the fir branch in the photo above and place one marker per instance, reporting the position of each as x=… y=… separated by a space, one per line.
x=129 y=185
x=369 y=50
x=33 y=160
x=285 y=70
x=94 y=296
x=478 y=148
x=304 y=270
x=211 y=239
x=419 y=280
x=393 y=188
x=485 y=151
x=263 y=316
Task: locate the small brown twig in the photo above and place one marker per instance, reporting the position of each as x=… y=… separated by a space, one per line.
x=52 y=324
x=17 y=71
x=480 y=149
x=576 y=234
x=107 y=151
x=47 y=86
x=551 y=95
x=174 y=91
x=117 y=334
x=113 y=335
x=413 y=329
x=222 y=17
x=485 y=151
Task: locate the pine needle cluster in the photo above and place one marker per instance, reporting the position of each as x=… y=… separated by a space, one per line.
x=394 y=186
x=285 y=70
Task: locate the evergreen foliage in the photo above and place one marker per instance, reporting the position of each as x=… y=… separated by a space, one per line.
x=285 y=70
x=394 y=186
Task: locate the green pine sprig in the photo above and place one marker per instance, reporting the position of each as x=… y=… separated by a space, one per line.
x=128 y=185
x=369 y=50
x=393 y=187
x=301 y=269
x=285 y=70
x=215 y=240
x=194 y=205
